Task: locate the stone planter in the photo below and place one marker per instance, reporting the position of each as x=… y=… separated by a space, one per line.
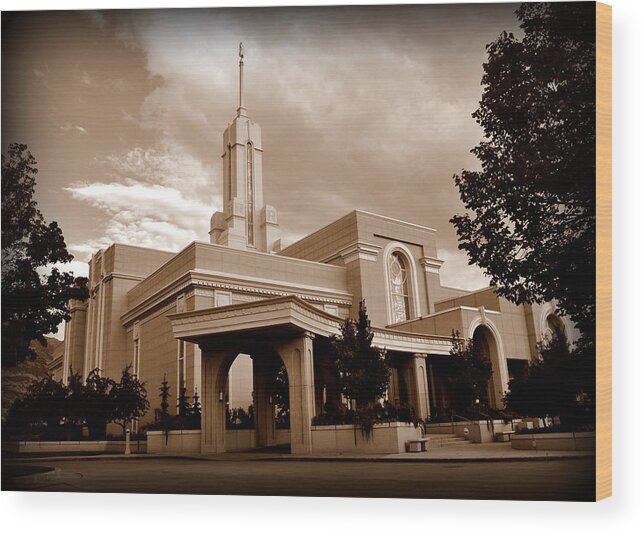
x=188 y=442
x=177 y=442
x=73 y=446
x=385 y=438
x=581 y=441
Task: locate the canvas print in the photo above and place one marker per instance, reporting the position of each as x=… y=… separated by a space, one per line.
x=309 y=251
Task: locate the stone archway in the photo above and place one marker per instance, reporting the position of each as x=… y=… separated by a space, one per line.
x=296 y=355
x=488 y=341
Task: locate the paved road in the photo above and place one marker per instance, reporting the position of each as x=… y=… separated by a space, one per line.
x=543 y=480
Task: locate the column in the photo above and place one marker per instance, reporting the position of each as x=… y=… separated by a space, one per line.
x=298 y=358
x=421 y=387
x=214 y=372
x=262 y=378
x=414 y=369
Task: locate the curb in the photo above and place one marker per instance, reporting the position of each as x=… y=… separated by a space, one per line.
x=402 y=460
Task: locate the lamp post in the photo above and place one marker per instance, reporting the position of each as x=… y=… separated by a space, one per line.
x=478 y=407
x=128 y=450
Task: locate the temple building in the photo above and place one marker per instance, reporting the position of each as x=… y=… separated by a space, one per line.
x=189 y=315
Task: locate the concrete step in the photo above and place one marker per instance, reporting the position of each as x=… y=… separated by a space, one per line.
x=443 y=443
x=443 y=435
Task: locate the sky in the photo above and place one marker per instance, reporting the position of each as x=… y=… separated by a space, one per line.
x=360 y=108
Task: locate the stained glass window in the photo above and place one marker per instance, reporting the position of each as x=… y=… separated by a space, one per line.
x=399 y=287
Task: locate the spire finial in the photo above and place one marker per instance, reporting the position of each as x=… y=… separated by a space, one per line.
x=242 y=110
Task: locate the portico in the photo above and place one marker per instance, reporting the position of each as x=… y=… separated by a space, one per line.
x=278 y=331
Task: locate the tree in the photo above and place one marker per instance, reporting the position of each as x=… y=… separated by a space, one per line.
x=74 y=409
x=470 y=375
x=183 y=402
x=163 y=412
x=129 y=399
x=98 y=403
x=33 y=304
x=195 y=408
x=553 y=385
x=16 y=380
x=362 y=369
x=531 y=220
x=41 y=410
x=281 y=394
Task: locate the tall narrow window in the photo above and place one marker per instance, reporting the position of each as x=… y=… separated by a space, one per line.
x=181 y=367
x=250 y=196
x=136 y=363
x=229 y=182
x=399 y=287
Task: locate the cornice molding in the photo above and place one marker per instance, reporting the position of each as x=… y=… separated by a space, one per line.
x=202 y=280
x=431 y=264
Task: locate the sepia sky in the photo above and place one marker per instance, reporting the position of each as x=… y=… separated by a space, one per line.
x=360 y=107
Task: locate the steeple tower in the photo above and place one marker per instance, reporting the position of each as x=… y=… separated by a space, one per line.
x=245 y=222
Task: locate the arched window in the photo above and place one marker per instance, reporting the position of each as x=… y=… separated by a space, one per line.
x=398 y=272
x=553 y=324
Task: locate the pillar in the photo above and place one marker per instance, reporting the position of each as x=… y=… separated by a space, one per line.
x=415 y=374
x=298 y=358
x=263 y=375
x=214 y=383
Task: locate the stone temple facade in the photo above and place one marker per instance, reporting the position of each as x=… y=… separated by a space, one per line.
x=188 y=315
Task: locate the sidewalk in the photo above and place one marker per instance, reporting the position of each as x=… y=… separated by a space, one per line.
x=493 y=452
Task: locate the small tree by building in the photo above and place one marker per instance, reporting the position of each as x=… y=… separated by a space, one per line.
x=97 y=401
x=195 y=408
x=40 y=412
x=281 y=396
x=129 y=399
x=362 y=369
x=470 y=375
x=163 y=413
x=553 y=385
x=183 y=403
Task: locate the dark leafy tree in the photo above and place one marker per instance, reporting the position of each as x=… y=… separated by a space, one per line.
x=239 y=418
x=33 y=304
x=362 y=369
x=195 y=407
x=98 y=403
x=531 y=214
x=74 y=410
x=281 y=395
x=41 y=411
x=469 y=376
x=553 y=386
x=129 y=399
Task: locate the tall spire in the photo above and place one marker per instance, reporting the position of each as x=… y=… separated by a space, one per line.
x=241 y=111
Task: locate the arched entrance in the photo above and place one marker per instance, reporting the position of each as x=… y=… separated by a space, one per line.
x=257 y=401
x=279 y=364
x=484 y=340
x=553 y=323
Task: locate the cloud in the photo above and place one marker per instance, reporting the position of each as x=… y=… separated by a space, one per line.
x=73 y=127
x=145 y=214
x=456 y=271
x=75 y=267
x=159 y=196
